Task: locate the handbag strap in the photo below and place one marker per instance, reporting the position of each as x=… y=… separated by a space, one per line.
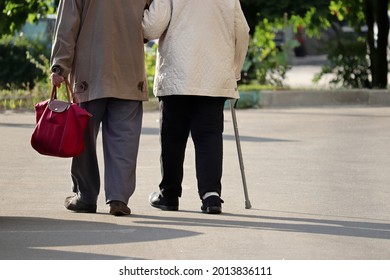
x=69 y=92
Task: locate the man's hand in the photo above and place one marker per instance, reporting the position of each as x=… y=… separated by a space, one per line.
x=56 y=79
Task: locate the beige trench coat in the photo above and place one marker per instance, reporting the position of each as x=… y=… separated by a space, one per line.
x=100 y=44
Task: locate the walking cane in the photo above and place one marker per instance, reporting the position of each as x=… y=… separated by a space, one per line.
x=236 y=134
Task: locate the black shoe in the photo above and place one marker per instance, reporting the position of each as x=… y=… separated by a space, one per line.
x=164 y=203
x=212 y=205
x=118 y=208
x=73 y=204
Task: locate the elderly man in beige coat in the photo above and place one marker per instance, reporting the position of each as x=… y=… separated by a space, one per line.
x=202 y=47
x=99 y=45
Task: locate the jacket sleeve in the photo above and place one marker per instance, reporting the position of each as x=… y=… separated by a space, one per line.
x=65 y=35
x=242 y=39
x=156 y=19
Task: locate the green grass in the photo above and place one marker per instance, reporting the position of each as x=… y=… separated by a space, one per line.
x=22 y=99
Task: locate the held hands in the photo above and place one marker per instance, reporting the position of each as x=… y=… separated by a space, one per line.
x=56 y=79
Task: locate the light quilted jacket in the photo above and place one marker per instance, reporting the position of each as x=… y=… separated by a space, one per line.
x=202 y=46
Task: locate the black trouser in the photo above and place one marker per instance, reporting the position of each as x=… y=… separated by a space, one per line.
x=203 y=118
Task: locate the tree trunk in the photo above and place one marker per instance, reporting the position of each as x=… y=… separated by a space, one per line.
x=377 y=41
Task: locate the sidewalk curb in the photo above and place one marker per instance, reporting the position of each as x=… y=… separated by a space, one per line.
x=295 y=98
x=303 y=98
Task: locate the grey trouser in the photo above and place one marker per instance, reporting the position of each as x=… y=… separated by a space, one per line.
x=121 y=122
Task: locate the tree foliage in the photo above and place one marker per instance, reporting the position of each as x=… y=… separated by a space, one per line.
x=311 y=14
x=14 y=13
x=317 y=15
x=20 y=56
x=314 y=16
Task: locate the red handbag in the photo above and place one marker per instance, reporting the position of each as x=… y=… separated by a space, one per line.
x=60 y=126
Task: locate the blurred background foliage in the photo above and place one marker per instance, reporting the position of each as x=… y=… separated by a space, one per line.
x=353 y=34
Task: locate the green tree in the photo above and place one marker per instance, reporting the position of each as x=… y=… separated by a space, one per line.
x=376 y=15
x=20 y=56
x=15 y=13
x=319 y=14
x=267 y=63
x=311 y=14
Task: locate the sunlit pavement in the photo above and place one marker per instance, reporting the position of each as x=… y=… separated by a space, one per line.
x=318 y=182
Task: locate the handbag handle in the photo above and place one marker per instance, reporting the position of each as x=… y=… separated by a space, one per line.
x=69 y=92
x=60 y=106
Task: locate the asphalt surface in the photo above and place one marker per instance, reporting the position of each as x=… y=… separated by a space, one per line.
x=318 y=182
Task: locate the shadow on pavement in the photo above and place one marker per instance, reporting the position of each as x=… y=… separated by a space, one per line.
x=375 y=230
x=25 y=238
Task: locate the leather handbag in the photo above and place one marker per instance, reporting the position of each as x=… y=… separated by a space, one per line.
x=60 y=126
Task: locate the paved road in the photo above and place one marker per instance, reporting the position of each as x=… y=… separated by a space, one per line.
x=318 y=181
x=303 y=70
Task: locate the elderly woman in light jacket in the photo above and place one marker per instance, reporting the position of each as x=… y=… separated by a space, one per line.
x=202 y=47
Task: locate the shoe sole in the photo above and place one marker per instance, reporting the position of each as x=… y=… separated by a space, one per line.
x=212 y=210
x=82 y=210
x=165 y=207
x=79 y=209
x=119 y=213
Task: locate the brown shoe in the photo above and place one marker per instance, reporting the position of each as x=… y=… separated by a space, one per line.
x=73 y=204
x=118 y=208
